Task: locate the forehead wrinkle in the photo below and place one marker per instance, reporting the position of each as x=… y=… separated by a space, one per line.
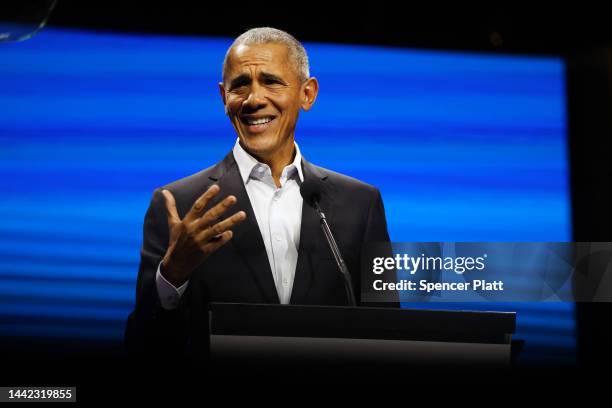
x=255 y=70
x=253 y=59
x=251 y=66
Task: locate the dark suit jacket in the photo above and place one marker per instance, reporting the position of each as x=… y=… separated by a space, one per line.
x=239 y=271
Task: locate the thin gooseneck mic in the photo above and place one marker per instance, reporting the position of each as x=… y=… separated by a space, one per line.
x=311 y=195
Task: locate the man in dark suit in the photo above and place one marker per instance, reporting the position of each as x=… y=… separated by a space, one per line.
x=271 y=250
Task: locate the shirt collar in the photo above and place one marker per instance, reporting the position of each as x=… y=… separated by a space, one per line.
x=246 y=162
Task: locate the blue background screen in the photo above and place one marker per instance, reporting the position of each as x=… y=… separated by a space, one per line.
x=463 y=146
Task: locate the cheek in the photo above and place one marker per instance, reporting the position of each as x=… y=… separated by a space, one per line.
x=286 y=104
x=234 y=103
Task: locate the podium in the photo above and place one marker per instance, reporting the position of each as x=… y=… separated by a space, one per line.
x=295 y=335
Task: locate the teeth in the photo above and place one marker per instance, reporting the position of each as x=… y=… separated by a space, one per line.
x=259 y=121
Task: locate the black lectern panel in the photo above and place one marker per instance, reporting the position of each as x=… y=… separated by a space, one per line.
x=362 y=323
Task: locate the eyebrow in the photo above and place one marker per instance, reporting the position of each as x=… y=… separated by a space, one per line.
x=272 y=77
x=244 y=79
x=240 y=80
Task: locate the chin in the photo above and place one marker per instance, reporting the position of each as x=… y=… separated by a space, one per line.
x=260 y=144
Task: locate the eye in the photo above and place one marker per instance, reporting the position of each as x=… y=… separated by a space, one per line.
x=239 y=88
x=271 y=81
x=239 y=83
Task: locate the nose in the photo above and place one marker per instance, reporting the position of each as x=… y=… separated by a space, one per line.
x=255 y=100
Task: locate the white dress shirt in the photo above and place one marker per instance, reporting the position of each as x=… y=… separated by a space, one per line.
x=278 y=212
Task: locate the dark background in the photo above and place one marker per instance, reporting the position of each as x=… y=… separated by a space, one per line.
x=580 y=35
x=557 y=30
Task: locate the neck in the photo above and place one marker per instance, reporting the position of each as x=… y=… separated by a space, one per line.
x=278 y=160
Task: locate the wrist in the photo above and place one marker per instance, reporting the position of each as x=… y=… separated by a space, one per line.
x=169 y=272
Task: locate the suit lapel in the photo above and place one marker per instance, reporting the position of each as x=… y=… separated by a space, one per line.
x=311 y=236
x=247 y=236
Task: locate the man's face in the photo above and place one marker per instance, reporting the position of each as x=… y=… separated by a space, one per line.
x=263 y=94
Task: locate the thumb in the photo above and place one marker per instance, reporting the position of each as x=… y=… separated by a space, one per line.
x=173 y=217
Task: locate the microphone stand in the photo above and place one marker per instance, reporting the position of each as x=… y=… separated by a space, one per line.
x=348 y=284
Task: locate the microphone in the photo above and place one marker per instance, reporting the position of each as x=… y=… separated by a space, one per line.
x=311 y=194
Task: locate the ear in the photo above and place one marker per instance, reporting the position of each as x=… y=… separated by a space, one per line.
x=222 y=92
x=309 y=92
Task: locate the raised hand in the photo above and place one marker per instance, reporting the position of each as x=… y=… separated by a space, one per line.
x=197 y=235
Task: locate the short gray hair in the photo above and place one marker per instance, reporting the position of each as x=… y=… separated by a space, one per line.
x=267 y=35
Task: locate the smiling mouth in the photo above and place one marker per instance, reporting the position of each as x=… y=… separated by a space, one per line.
x=257 y=124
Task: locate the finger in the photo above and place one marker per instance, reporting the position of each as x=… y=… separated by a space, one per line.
x=212 y=246
x=172 y=213
x=221 y=227
x=198 y=207
x=214 y=213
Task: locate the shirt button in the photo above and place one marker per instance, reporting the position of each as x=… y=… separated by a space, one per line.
x=277 y=238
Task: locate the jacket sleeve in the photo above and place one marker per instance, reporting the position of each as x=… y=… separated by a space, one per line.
x=150 y=328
